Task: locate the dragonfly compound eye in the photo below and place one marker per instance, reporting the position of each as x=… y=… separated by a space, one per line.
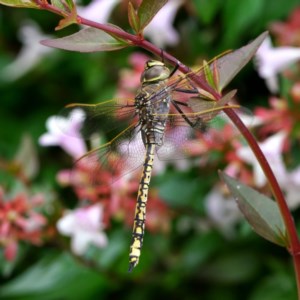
x=155 y=71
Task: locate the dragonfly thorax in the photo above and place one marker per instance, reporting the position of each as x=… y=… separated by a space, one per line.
x=152 y=104
x=154 y=71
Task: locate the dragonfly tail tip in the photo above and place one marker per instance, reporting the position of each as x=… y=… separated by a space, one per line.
x=132 y=265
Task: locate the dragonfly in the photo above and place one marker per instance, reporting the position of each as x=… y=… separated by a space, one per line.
x=165 y=106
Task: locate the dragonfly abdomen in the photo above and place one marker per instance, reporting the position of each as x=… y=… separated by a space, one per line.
x=140 y=210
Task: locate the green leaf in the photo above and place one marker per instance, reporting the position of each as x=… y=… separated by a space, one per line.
x=207 y=9
x=20 y=3
x=59 y=4
x=261 y=212
x=230 y=64
x=198 y=249
x=276 y=286
x=147 y=11
x=240 y=16
x=86 y=40
x=68 y=10
x=133 y=18
x=173 y=186
x=55 y=276
x=218 y=269
x=70 y=4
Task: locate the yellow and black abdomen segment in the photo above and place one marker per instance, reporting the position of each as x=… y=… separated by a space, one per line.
x=140 y=210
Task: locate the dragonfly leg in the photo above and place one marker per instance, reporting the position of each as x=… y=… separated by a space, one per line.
x=175 y=68
x=192 y=124
x=188 y=91
x=140 y=210
x=192 y=90
x=180 y=103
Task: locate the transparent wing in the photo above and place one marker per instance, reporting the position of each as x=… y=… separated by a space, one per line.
x=174 y=138
x=83 y=120
x=120 y=156
x=197 y=111
x=199 y=116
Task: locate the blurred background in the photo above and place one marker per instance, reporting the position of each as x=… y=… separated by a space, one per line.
x=197 y=244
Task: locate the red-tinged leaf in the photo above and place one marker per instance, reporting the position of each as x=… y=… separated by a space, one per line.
x=70 y=4
x=87 y=40
x=230 y=64
x=147 y=11
x=61 y=5
x=65 y=6
x=198 y=104
x=20 y=3
x=261 y=212
x=133 y=18
x=70 y=19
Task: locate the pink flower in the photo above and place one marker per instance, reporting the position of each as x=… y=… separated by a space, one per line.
x=98 y=10
x=271 y=61
x=272 y=149
x=65 y=132
x=288 y=33
x=158 y=214
x=160 y=30
x=290 y=183
x=20 y=222
x=31 y=53
x=84 y=226
x=222 y=210
x=130 y=78
x=276 y=118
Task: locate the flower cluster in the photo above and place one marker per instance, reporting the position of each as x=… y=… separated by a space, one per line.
x=20 y=222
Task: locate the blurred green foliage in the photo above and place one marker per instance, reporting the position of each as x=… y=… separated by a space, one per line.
x=184 y=265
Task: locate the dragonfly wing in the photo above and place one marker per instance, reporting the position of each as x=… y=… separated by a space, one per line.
x=174 y=140
x=200 y=116
x=84 y=120
x=120 y=156
x=134 y=150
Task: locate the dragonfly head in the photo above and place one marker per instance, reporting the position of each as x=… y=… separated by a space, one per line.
x=155 y=71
